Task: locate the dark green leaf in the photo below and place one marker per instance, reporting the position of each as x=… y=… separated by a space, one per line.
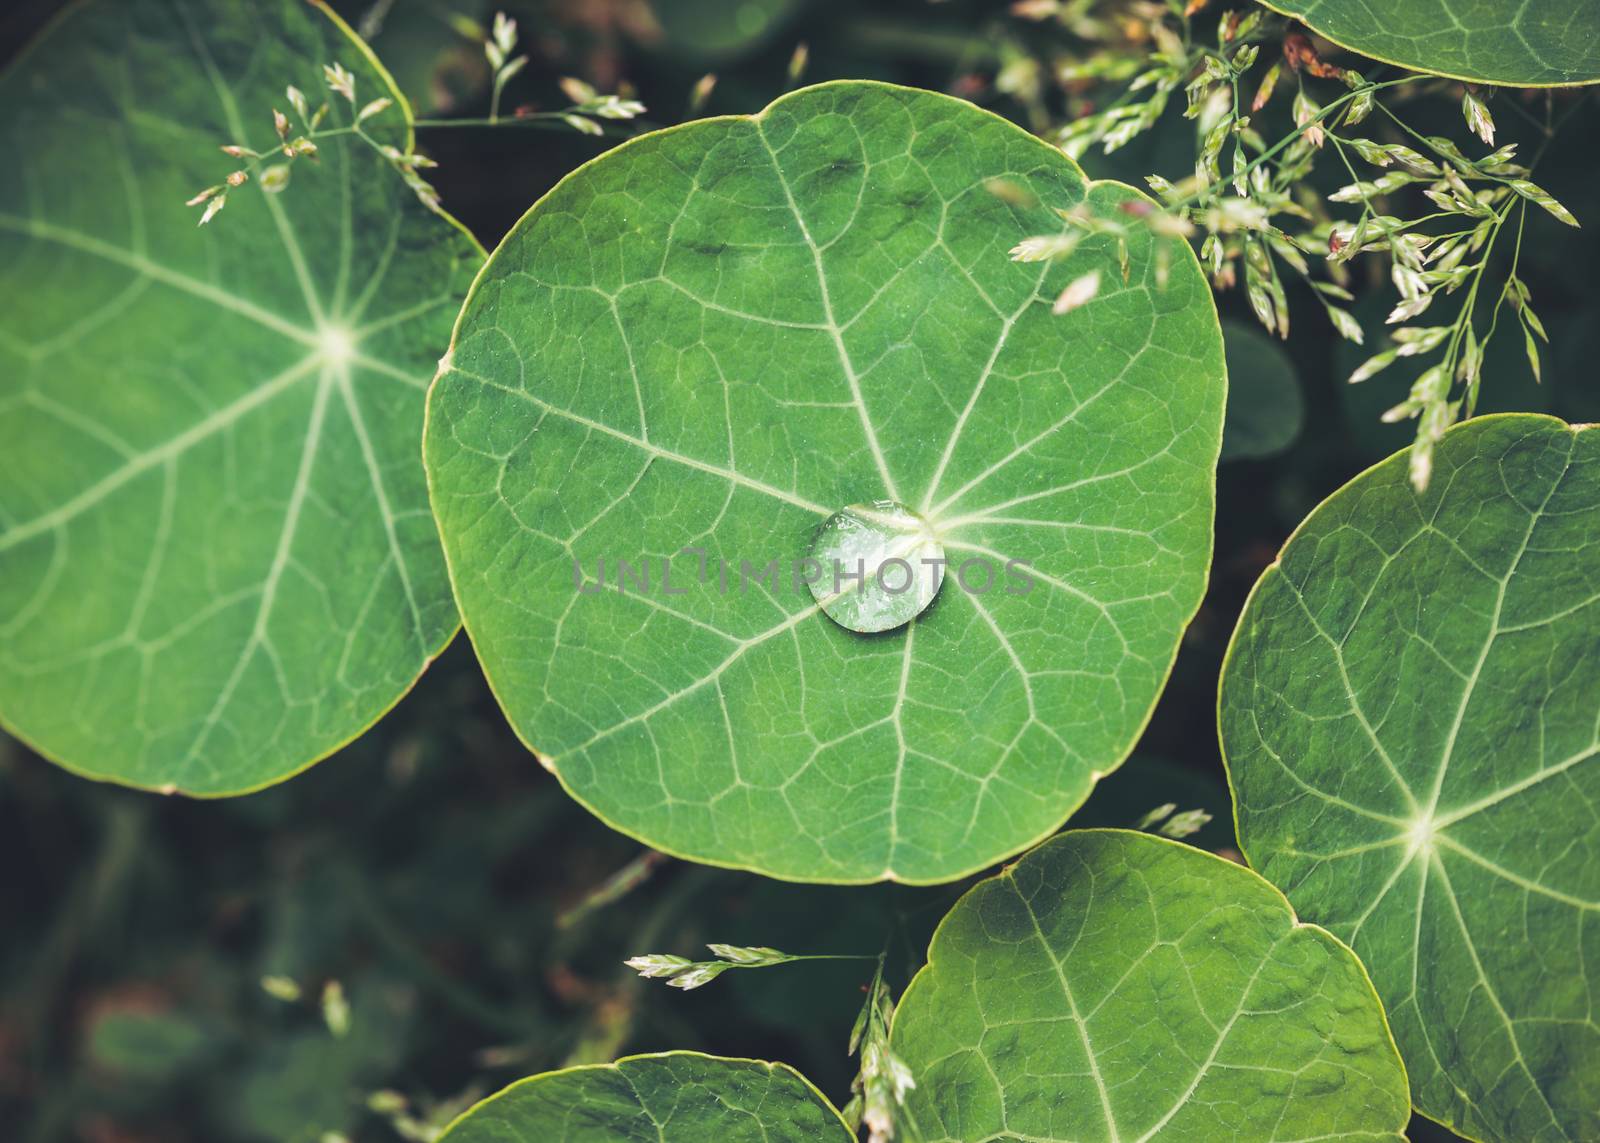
x=1265 y=409
x=1409 y=713
x=216 y=559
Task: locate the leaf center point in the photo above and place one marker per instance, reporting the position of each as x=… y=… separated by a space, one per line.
x=336 y=345
x=1422 y=834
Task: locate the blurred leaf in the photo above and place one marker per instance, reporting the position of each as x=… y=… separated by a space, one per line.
x=153 y=1047
x=301 y=1085
x=1265 y=409
x=721 y=31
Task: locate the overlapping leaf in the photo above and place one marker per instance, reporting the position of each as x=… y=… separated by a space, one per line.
x=1114 y=987
x=702 y=344
x=673 y=1097
x=1531 y=43
x=1411 y=714
x=216 y=558
x=1265 y=409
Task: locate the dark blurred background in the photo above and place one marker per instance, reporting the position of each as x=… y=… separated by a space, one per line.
x=433 y=869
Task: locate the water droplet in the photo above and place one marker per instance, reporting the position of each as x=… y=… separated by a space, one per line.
x=875 y=566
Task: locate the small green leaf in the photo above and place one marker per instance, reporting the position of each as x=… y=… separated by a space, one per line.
x=151 y=1048
x=1358 y=109
x=1536 y=43
x=1265 y=409
x=1530 y=319
x=704 y=345
x=217 y=563
x=1269 y=84
x=673 y=1097
x=1114 y=986
x=1408 y=712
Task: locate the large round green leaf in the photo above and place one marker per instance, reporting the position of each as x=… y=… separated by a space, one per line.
x=674 y=1097
x=216 y=558
x=1411 y=714
x=1114 y=987
x=1531 y=43
x=704 y=343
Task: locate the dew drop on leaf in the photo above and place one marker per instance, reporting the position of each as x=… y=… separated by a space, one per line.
x=875 y=566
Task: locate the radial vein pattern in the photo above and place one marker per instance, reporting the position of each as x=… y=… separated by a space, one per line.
x=216 y=559
x=700 y=346
x=1411 y=720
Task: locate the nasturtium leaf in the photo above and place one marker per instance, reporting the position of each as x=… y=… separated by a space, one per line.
x=673 y=1097
x=217 y=562
x=434 y=56
x=1409 y=712
x=1265 y=409
x=1114 y=987
x=699 y=347
x=1531 y=43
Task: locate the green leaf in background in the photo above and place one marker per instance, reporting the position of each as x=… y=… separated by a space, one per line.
x=151 y=1048
x=216 y=559
x=433 y=51
x=715 y=30
x=673 y=1097
x=1114 y=987
x=1409 y=712
x=1265 y=409
x=1534 y=43
x=701 y=345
